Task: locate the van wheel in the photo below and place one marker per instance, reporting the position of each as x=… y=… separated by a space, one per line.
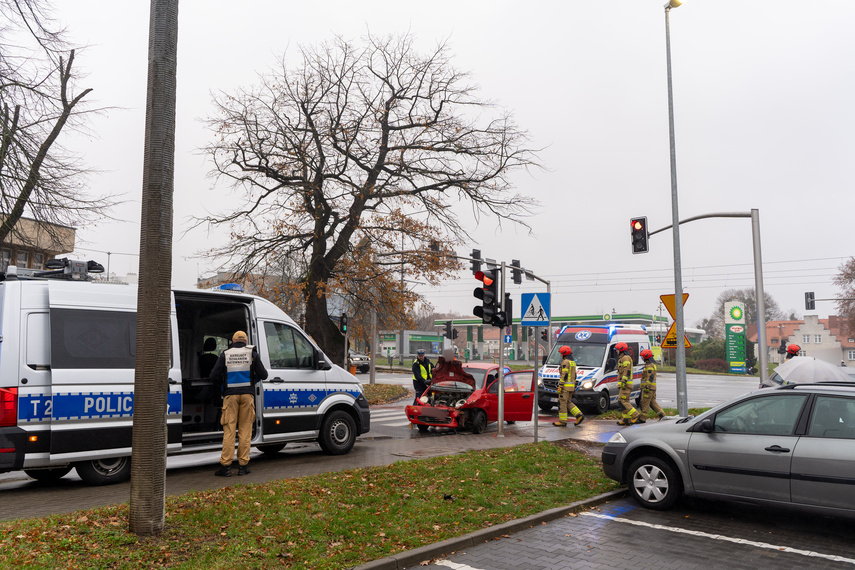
x=545 y=406
x=48 y=475
x=338 y=433
x=104 y=471
x=603 y=403
x=654 y=483
x=270 y=448
x=479 y=421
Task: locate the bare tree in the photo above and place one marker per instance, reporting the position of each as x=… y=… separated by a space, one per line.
x=373 y=144
x=749 y=298
x=38 y=177
x=148 y=462
x=846 y=303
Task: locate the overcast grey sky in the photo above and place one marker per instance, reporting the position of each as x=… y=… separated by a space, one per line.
x=763 y=97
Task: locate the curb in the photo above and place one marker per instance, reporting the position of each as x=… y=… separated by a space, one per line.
x=411 y=558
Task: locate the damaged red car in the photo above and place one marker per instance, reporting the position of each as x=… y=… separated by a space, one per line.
x=467 y=396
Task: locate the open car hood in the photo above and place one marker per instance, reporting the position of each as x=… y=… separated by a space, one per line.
x=451 y=370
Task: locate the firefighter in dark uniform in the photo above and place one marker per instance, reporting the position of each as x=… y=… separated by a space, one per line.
x=629 y=414
x=237 y=370
x=422 y=374
x=566 y=388
x=648 y=386
x=793 y=350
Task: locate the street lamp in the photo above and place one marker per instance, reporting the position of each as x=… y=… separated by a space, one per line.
x=682 y=400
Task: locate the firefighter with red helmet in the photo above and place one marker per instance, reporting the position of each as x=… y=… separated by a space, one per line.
x=566 y=387
x=648 y=386
x=629 y=414
x=793 y=350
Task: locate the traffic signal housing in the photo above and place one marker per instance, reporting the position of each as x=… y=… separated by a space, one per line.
x=810 y=301
x=453 y=334
x=638 y=228
x=476 y=260
x=516 y=271
x=342 y=323
x=543 y=336
x=488 y=294
x=447 y=333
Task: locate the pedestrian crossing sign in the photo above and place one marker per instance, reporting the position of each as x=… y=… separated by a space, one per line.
x=535 y=309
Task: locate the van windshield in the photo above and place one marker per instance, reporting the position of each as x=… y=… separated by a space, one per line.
x=584 y=354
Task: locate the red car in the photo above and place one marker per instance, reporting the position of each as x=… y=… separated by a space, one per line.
x=467 y=396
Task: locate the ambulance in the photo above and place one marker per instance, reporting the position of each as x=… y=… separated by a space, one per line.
x=67 y=366
x=596 y=365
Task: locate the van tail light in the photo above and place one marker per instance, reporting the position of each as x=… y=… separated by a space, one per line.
x=8 y=407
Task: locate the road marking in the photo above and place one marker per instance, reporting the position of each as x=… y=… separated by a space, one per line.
x=455 y=565
x=724 y=538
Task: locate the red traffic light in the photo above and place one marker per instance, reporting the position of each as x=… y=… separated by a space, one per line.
x=484 y=278
x=637 y=225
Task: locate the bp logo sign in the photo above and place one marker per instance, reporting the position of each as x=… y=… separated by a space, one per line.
x=736 y=313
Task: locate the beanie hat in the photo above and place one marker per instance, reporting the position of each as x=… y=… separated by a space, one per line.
x=239 y=336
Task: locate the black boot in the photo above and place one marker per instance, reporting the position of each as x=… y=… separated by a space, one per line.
x=244 y=470
x=224 y=471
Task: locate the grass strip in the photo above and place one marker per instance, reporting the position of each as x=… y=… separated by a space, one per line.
x=328 y=521
x=617 y=414
x=377 y=394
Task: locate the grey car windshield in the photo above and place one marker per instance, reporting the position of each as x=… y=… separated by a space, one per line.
x=584 y=354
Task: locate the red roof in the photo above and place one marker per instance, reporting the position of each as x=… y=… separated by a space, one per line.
x=786 y=329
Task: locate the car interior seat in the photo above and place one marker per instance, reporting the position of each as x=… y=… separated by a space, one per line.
x=208 y=358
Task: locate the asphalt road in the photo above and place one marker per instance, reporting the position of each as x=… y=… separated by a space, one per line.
x=389 y=440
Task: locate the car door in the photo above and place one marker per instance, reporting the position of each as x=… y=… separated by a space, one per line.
x=823 y=468
x=519 y=398
x=294 y=388
x=749 y=451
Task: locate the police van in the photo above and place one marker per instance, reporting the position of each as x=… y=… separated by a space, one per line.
x=67 y=352
x=596 y=365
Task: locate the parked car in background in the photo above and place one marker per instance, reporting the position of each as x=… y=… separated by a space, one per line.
x=792 y=446
x=467 y=396
x=362 y=362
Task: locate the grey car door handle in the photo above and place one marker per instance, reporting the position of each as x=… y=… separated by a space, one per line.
x=777 y=449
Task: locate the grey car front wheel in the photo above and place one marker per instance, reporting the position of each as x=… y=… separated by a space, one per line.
x=654 y=483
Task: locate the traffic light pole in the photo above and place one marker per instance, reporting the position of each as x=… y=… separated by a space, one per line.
x=759 y=293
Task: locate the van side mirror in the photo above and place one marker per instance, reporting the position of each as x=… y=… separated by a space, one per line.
x=543 y=360
x=610 y=364
x=321 y=361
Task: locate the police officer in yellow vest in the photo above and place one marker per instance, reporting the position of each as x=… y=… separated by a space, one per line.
x=422 y=374
x=629 y=414
x=566 y=388
x=648 y=386
x=237 y=370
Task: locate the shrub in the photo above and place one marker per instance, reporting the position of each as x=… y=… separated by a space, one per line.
x=712 y=365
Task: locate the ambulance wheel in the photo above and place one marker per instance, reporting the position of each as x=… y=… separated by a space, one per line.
x=545 y=406
x=270 y=448
x=48 y=475
x=338 y=433
x=479 y=421
x=603 y=403
x=104 y=471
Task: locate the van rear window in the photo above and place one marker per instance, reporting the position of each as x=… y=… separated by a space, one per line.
x=82 y=338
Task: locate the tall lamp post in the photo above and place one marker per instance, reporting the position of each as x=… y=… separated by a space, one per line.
x=682 y=399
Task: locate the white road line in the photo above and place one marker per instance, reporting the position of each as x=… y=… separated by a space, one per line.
x=395 y=424
x=385 y=413
x=455 y=565
x=724 y=538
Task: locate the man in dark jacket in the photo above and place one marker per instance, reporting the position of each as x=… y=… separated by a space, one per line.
x=236 y=371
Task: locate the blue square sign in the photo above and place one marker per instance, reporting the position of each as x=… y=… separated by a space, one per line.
x=535 y=309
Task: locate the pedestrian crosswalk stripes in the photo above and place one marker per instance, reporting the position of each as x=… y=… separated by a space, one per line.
x=390 y=417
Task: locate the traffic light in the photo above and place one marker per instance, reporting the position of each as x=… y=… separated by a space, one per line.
x=447 y=333
x=516 y=272
x=543 y=336
x=810 y=301
x=342 y=323
x=488 y=294
x=508 y=314
x=476 y=260
x=783 y=348
x=453 y=334
x=639 y=234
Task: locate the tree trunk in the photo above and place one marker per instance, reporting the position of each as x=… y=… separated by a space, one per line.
x=151 y=387
x=318 y=323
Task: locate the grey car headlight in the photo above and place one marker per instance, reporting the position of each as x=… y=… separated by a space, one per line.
x=587 y=385
x=617 y=438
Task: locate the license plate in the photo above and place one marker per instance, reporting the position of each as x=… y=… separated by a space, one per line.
x=553 y=400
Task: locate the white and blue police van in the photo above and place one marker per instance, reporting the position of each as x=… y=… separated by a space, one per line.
x=67 y=367
x=593 y=349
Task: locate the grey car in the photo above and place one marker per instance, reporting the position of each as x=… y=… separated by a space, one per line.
x=791 y=446
x=362 y=362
